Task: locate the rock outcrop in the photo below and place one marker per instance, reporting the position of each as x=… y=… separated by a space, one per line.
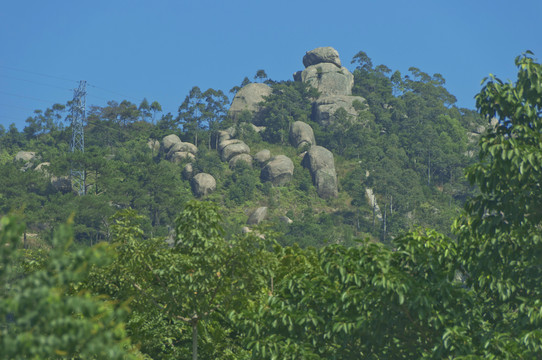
x=188 y=171
x=25 y=156
x=180 y=156
x=203 y=184
x=154 y=145
x=326 y=107
x=248 y=98
x=168 y=141
x=233 y=149
x=182 y=147
x=328 y=79
x=257 y=216
x=262 y=156
x=324 y=72
x=321 y=164
x=301 y=134
x=279 y=170
x=246 y=158
x=322 y=55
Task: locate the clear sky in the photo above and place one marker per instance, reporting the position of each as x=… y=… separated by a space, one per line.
x=161 y=49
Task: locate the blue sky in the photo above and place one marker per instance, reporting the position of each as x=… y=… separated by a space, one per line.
x=161 y=49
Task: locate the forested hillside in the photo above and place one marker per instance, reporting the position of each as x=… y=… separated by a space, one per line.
x=399 y=150
x=287 y=228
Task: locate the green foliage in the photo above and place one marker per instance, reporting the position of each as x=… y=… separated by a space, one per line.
x=289 y=102
x=499 y=233
x=44 y=313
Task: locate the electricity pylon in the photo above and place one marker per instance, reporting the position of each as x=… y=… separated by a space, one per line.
x=77 y=171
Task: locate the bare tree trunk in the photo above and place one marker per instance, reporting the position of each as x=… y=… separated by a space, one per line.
x=195 y=339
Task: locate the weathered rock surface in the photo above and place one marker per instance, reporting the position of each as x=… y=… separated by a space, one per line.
x=262 y=156
x=25 y=156
x=325 y=181
x=279 y=170
x=326 y=107
x=188 y=171
x=321 y=164
x=170 y=140
x=248 y=98
x=301 y=134
x=257 y=216
x=320 y=55
x=182 y=147
x=154 y=145
x=246 y=158
x=231 y=150
x=179 y=156
x=285 y=220
x=328 y=79
x=203 y=184
x=223 y=144
x=43 y=167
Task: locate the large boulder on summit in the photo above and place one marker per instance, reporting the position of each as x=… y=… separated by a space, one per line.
x=170 y=140
x=322 y=55
x=248 y=98
x=329 y=79
x=257 y=216
x=231 y=150
x=203 y=184
x=301 y=134
x=321 y=164
x=326 y=107
x=279 y=170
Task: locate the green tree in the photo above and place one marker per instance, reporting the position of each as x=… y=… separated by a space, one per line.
x=260 y=75
x=499 y=233
x=191 y=113
x=183 y=292
x=43 y=312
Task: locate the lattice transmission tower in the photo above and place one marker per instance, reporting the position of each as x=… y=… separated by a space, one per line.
x=77 y=171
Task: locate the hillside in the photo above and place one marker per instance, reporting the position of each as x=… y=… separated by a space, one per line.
x=333 y=156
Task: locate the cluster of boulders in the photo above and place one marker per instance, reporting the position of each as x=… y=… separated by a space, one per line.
x=28 y=159
x=176 y=150
x=233 y=150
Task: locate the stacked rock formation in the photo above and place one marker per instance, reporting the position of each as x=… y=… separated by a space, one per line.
x=233 y=150
x=176 y=151
x=324 y=72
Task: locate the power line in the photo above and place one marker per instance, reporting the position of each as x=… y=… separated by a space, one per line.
x=35 y=82
x=27 y=97
x=37 y=73
x=113 y=92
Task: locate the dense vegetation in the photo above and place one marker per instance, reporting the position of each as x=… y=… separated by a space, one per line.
x=473 y=292
x=410 y=148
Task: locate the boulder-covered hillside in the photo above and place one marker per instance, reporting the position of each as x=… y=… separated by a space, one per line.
x=334 y=154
